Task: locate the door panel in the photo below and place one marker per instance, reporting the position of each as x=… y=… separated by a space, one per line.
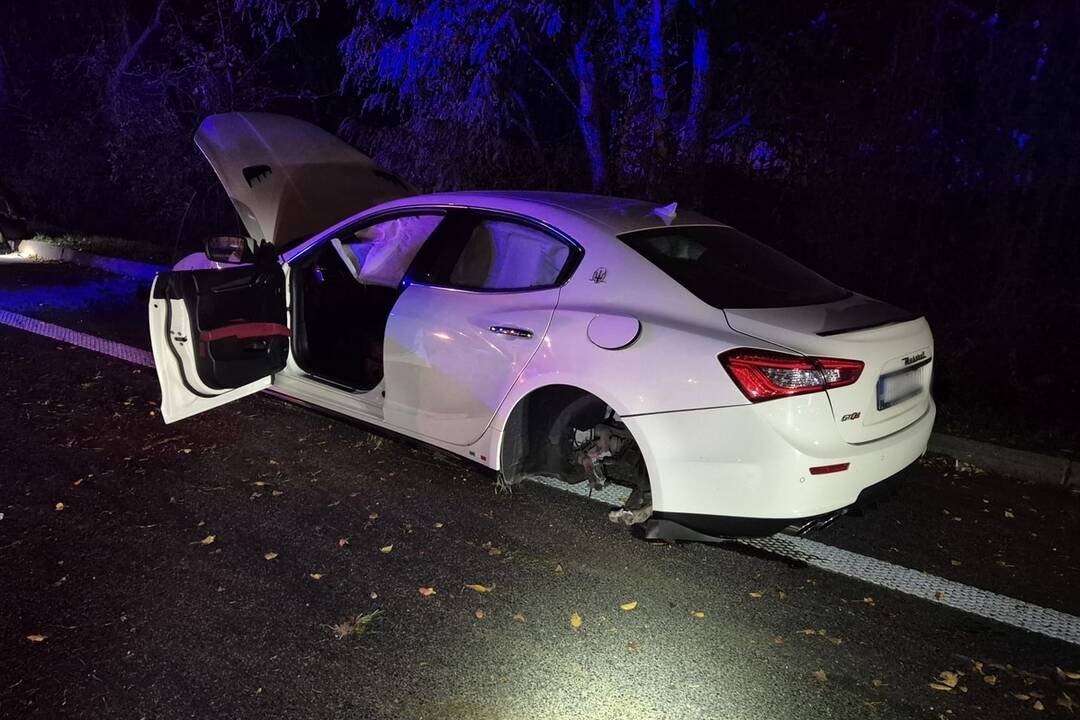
x=217 y=335
x=451 y=356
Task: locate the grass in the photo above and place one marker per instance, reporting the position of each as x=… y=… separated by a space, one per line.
x=357 y=625
x=110 y=247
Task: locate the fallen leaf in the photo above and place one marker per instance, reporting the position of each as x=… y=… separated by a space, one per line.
x=277 y=493
x=699 y=614
x=259 y=483
x=373 y=516
x=1070 y=674
x=59 y=506
x=955 y=563
x=877 y=683
x=357 y=625
x=948 y=677
x=628 y=606
x=438 y=525
x=342 y=542
x=871 y=706
x=990 y=679
x=386 y=548
x=270 y=555
x=939 y=596
x=820 y=676
x=939 y=686
x=575 y=621
x=427 y=591
x=1037 y=705
x=1067 y=702
x=480 y=588
x=479 y=613
x=520 y=617
x=206 y=540
x=1022 y=696
x=781 y=594
x=755 y=595
x=315 y=576
x=633 y=647
x=868 y=600
x=35 y=638
x=808 y=631
x=778 y=640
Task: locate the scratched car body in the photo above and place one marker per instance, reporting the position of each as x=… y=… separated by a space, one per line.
x=590 y=339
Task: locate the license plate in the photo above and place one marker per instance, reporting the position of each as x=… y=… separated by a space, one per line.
x=896 y=387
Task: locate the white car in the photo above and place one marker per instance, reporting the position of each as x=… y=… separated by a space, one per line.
x=590 y=339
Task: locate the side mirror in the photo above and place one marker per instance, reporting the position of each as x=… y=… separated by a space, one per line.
x=230 y=249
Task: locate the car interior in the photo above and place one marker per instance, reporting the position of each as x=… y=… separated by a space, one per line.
x=343 y=295
x=344 y=292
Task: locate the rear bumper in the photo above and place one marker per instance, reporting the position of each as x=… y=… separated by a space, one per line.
x=748 y=467
x=695 y=527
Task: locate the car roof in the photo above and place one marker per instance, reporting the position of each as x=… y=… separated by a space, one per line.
x=616 y=215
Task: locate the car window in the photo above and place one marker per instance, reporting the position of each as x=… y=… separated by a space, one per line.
x=380 y=254
x=728 y=269
x=505 y=255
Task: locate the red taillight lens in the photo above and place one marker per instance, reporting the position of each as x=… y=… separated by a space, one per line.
x=763 y=375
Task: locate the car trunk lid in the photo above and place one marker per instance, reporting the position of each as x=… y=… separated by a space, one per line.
x=289 y=179
x=895 y=347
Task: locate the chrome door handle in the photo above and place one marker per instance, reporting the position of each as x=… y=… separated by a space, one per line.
x=511 y=331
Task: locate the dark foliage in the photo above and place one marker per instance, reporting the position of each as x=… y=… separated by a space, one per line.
x=924 y=152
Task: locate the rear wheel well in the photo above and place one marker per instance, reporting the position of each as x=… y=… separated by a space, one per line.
x=539 y=433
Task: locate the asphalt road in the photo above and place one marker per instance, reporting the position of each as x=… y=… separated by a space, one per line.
x=141 y=616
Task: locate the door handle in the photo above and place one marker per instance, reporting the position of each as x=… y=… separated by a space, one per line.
x=511 y=331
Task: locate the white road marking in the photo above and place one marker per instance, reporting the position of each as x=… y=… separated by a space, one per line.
x=1017 y=613
x=79 y=339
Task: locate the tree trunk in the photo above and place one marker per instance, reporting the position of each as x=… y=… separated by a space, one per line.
x=700 y=62
x=658 y=81
x=584 y=72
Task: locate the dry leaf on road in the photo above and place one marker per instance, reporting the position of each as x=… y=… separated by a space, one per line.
x=480 y=588
x=628 y=606
x=59 y=506
x=698 y=614
x=478 y=613
x=575 y=621
x=206 y=540
x=756 y=595
x=270 y=555
x=427 y=591
x=520 y=617
x=946 y=681
x=35 y=638
x=386 y=548
x=820 y=676
x=315 y=576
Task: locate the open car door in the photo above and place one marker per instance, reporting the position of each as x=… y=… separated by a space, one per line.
x=217 y=335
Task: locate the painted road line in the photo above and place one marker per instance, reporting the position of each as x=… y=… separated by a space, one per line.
x=79 y=339
x=985 y=604
x=1017 y=613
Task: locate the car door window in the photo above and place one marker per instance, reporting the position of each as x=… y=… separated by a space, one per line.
x=380 y=254
x=501 y=255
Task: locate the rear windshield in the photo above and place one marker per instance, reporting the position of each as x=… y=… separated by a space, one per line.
x=727 y=269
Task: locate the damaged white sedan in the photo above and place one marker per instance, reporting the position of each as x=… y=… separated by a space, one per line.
x=589 y=339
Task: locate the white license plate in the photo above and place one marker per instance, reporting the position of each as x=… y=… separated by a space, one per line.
x=896 y=387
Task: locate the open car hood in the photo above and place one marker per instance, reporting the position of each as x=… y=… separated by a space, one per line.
x=289 y=179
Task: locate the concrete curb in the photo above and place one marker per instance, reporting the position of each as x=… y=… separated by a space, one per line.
x=118 y=266
x=1019 y=464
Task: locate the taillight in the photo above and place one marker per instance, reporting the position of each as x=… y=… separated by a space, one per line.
x=764 y=375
